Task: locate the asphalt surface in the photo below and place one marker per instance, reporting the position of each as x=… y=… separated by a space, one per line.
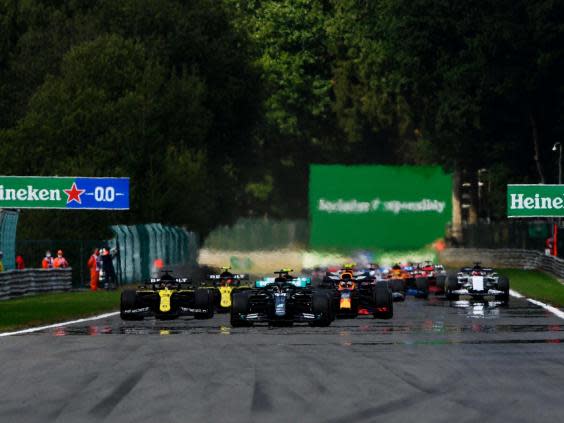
x=433 y=362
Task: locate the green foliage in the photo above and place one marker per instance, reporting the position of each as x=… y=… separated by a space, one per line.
x=158 y=91
x=534 y=284
x=57 y=307
x=215 y=109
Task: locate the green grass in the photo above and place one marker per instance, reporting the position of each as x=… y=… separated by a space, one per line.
x=55 y=307
x=534 y=284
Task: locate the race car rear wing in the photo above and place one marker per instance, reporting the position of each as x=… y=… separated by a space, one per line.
x=177 y=280
x=241 y=277
x=299 y=282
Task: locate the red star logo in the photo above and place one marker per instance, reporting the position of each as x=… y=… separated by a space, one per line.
x=74 y=194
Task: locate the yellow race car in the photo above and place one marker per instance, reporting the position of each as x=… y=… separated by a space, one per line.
x=167 y=297
x=223 y=285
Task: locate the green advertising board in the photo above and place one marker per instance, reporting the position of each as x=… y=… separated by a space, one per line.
x=378 y=207
x=535 y=200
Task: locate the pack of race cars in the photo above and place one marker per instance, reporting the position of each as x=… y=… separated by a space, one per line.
x=316 y=297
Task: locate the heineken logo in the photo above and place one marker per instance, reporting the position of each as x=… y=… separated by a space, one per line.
x=64 y=193
x=535 y=200
x=520 y=202
x=29 y=194
x=378 y=205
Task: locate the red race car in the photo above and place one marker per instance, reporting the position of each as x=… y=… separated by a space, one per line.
x=435 y=274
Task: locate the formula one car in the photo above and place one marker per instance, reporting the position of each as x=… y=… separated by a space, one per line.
x=166 y=298
x=223 y=285
x=283 y=300
x=359 y=293
x=477 y=282
x=435 y=275
x=403 y=281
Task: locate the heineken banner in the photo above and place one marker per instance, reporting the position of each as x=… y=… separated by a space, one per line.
x=36 y=192
x=535 y=200
x=378 y=207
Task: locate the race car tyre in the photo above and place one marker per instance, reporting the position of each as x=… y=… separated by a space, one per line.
x=422 y=286
x=440 y=282
x=396 y=285
x=129 y=301
x=503 y=285
x=321 y=304
x=383 y=302
x=239 y=305
x=451 y=284
x=204 y=300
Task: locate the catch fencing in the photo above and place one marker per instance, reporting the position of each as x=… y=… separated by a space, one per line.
x=139 y=247
x=136 y=249
x=516 y=258
x=8 y=225
x=15 y=283
x=507 y=234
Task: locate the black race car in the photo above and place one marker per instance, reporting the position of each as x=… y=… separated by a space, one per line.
x=166 y=298
x=283 y=300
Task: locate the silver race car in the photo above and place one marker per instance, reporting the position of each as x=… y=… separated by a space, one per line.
x=477 y=282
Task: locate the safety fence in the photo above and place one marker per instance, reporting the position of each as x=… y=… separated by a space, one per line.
x=8 y=225
x=135 y=250
x=259 y=235
x=15 y=283
x=516 y=258
x=142 y=249
x=507 y=234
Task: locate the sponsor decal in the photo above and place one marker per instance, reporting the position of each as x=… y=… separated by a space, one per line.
x=196 y=310
x=225 y=292
x=535 y=200
x=136 y=310
x=280 y=303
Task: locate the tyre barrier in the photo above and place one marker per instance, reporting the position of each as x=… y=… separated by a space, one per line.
x=15 y=283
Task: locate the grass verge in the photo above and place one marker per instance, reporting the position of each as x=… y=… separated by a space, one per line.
x=535 y=284
x=55 y=307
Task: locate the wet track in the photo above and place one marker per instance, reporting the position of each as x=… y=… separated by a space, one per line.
x=434 y=361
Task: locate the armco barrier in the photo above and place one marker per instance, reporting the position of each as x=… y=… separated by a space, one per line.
x=524 y=259
x=14 y=283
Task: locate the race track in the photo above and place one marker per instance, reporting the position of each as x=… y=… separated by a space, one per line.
x=432 y=363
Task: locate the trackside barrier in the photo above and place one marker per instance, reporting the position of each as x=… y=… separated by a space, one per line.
x=14 y=283
x=140 y=245
x=8 y=226
x=524 y=259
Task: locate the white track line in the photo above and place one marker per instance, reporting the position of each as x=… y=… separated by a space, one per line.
x=515 y=294
x=58 y=325
x=556 y=311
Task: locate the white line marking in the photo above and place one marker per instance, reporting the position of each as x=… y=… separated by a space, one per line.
x=58 y=325
x=554 y=310
x=515 y=294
